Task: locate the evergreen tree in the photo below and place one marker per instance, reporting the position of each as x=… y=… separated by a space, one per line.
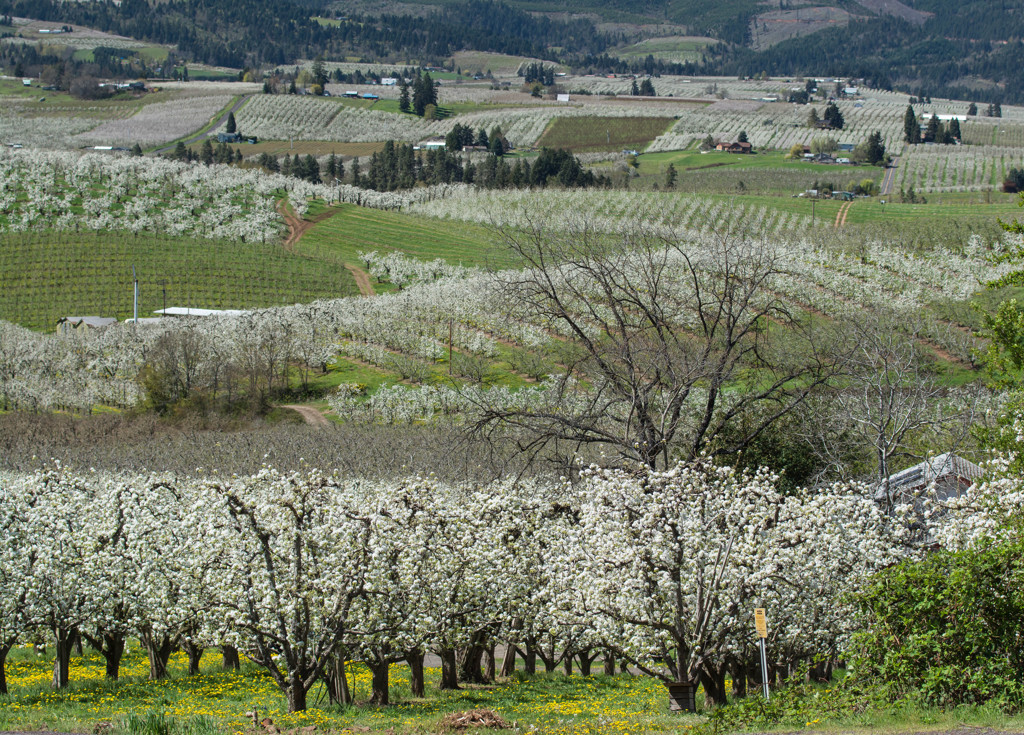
x=634 y=90
x=356 y=178
x=403 y=99
x=482 y=139
x=423 y=93
x=933 y=131
x=137 y=150
x=231 y=126
x=331 y=170
x=180 y=152
x=286 y=165
x=911 y=128
x=311 y=169
x=954 y=129
x=812 y=118
x=875 y=149
x=319 y=73
x=742 y=137
x=206 y=153
x=972 y=109
x=670 y=177
x=647 y=89
x=834 y=117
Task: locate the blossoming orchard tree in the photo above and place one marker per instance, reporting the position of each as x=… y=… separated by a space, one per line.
x=668 y=567
x=64 y=508
x=294 y=549
x=17 y=570
x=301 y=571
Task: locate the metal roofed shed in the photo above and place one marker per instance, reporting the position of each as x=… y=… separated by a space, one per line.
x=935 y=480
x=951 y=475
x=68 y=323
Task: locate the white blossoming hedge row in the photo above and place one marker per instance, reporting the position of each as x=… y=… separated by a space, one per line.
x=157 y=123
x=300 y=570
x=42 y=190
x=281 y=117
x=409 y=330
x=943 y=168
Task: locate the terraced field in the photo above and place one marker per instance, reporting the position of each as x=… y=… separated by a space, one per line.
x=340 y=238
x=581 y=134
x=47 y=276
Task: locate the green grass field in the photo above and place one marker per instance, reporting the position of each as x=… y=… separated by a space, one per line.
x=47 y=276
x=352 y=229
x=121 y=104
x=217 y=701
x=580 y=134
x=481 y=61
x=667 y=48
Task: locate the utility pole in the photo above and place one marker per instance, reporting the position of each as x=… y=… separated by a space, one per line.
x=163 y=285
x=135 y=301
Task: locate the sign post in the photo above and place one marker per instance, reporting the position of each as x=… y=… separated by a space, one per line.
x=761 y=623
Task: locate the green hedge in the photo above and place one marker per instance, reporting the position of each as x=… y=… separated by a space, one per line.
x=948 y=628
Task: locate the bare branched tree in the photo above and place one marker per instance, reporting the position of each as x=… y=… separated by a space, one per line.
x=672 y=339
x=892 y=407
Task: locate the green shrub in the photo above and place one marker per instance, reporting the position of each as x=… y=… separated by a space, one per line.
x=947 y=628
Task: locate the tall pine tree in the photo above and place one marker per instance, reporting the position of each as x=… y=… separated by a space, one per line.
x=911 y=128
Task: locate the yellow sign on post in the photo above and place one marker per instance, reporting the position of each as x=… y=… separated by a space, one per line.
x=760 y=622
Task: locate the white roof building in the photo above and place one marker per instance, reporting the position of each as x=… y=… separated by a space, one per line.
x=184 y=311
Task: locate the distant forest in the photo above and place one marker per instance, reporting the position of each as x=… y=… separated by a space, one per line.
x=276 y=32
x=969 y=49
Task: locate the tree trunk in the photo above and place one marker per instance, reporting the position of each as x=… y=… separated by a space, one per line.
x=530 y=659
x=739 y=679
x=586 y=658
x=416 y=685
x=337 y=681
x=449 y=679
x=62 y=661
x=113 y=651
x=609 y=663
x=489 y=664
x=4 y=650
x=508 y=664
x=471 y=661
x=194 y=653
x=714 y=686
x=567 y=665
x=381 y=683
x=296 y=695
x=230 y=660
x=159 y=651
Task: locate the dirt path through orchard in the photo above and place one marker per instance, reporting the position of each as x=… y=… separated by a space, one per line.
x=297 y=228
x=310 y=415
x=841 y=215
x=362 y=280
